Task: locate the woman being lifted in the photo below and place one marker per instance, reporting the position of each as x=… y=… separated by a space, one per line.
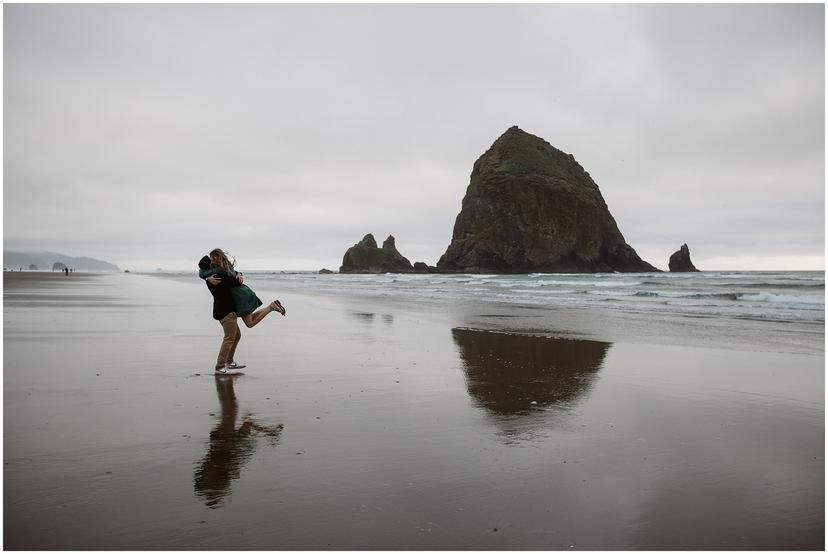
x=218 y=266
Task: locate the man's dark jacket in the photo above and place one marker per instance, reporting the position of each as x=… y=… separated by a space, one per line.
x=222 y=298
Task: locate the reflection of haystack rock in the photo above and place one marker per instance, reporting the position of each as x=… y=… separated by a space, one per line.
x=511 y=374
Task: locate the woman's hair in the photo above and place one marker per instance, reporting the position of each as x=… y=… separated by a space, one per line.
x=219 y=259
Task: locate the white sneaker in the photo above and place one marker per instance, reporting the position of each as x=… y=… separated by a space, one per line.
x=222 y=369
x=234 y=365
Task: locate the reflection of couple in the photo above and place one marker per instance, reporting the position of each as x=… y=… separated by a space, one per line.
x=230 y=448
x=231 y=299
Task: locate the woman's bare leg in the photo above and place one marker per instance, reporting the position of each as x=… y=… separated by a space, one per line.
x=251 y=320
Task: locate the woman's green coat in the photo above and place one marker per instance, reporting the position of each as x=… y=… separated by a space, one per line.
x=244 y=298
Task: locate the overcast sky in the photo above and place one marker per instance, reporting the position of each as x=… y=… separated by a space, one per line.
x=145 y=135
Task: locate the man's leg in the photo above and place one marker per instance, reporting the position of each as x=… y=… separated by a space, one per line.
x=232 y=334
x=235 y=343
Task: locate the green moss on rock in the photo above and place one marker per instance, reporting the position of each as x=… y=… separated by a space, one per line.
x=520 y=153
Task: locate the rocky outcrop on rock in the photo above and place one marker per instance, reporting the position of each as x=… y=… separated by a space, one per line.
x=365 y=257
x=530 y=207
x=680 y=260
x=58 y=266
x=325 y=271
x=421 y=267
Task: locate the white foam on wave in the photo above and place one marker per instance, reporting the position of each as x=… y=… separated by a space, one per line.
x=581 y=283
x=610 y=293
x=548 y=291
x=784 y=298
x=614 y=284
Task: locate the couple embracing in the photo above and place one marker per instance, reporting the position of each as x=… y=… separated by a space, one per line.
x=232 y=299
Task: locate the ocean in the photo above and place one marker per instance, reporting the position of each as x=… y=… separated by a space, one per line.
x=784 y=296
x=782 y=311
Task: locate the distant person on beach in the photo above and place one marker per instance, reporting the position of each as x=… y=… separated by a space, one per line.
x=66 y=271
x=231 y=299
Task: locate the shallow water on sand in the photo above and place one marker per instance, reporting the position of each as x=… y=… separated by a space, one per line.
x=380 y=425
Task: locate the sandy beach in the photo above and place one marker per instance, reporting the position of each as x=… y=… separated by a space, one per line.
x=368 y=424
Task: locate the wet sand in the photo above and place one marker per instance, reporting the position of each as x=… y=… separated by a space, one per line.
x=380 y=425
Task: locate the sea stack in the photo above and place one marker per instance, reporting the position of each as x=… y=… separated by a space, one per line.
x=529 y=208
x=365 y=257
x=680 y=260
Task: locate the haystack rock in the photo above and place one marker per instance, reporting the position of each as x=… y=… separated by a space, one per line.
x=530 y=207
x=365 y=257
x=680 y=260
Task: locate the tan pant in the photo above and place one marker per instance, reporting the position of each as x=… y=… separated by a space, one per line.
x=232 y=336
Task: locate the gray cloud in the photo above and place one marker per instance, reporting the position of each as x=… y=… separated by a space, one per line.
x=147 y=134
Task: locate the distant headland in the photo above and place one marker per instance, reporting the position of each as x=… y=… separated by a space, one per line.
x=46 y=261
